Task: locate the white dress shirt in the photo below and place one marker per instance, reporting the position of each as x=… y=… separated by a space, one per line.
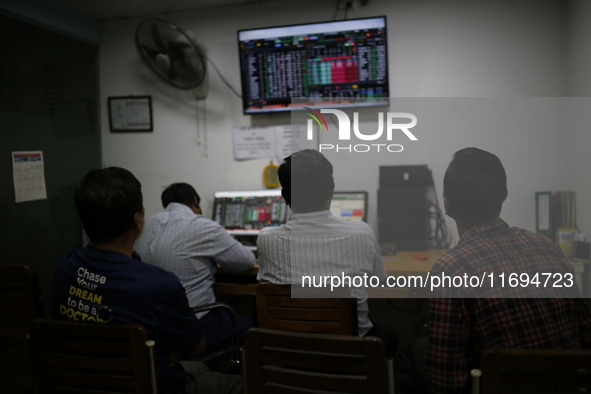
x=319 y=244
x=191 y=246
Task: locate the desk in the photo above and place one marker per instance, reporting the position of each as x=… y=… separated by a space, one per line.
x=402 y=263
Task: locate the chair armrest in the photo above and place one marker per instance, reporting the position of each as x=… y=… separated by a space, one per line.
x=234 y=321
x=218 y=305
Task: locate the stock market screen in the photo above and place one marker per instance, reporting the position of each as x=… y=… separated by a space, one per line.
x=342 y=60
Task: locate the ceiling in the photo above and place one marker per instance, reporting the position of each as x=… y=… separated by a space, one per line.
x=115 y=9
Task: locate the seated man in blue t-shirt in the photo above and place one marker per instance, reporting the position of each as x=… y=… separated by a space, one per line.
x=102 y=283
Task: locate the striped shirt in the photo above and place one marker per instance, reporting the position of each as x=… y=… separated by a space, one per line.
x=319 y=244
x=461 y=329
x=191 y=246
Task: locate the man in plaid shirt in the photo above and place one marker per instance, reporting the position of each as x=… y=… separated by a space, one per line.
x=465 y=325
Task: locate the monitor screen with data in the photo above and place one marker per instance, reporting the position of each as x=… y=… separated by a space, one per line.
x=250 y=210
x=349 y=205
x=332 y=64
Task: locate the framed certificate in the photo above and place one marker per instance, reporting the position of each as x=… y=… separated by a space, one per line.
x=132 y=113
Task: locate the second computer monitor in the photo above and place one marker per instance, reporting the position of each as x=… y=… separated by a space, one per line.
x=349 y=205
x=249 y=211
x=246 y=212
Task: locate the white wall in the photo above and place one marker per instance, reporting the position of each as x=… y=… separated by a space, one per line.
x=579 y=87
x=457 y=48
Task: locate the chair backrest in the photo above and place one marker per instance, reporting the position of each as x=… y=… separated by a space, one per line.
x=77 y=357
x=535 y=371
x=277 y=310
x=292 y=362
x=20 y=301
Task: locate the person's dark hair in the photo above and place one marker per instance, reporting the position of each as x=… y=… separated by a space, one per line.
x=306 y=181
x=182 y=193
x=106 y=201
x=475 y=186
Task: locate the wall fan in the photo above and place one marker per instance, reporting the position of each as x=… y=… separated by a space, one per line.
x=172 y=55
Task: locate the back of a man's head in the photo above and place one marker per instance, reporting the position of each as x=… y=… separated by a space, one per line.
x=306 y=180
x=181 y=193
x=475 y=186
x=107 y=201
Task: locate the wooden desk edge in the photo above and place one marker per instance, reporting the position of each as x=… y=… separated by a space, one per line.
x=235 y=288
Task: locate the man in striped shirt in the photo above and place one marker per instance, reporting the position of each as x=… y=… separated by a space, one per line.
x=183 y=241
x=314 y=242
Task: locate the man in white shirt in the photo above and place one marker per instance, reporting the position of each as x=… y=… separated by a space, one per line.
x=181 y=240
x=314 y=242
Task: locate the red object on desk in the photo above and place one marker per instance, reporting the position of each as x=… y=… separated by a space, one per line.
x=420 y=256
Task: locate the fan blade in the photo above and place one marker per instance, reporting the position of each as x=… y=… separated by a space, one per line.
x=172 y=73
x=149 y=51
x=185 y=60
x=178 y=49
x=154 y=32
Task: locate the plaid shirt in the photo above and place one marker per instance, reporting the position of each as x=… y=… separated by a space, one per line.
x=462 y=328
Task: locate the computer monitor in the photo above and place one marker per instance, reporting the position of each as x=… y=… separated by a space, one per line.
x=349 y=205
x=247 y=212
x=331 y=64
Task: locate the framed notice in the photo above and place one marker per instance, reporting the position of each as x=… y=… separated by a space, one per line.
x=132 y=113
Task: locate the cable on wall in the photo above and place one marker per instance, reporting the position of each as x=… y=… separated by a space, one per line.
x=222 y=77
x=336 y=10
x=348 y=5
x=439 y=238
x=202 y=128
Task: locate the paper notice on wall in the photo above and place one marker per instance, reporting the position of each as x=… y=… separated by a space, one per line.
x=28 y=174
x=290 y=139
x=269 y=142
x=253 y=142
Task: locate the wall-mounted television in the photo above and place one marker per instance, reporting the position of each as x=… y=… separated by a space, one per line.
x=342 y=60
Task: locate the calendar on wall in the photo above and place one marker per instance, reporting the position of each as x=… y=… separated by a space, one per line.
x=29 y=177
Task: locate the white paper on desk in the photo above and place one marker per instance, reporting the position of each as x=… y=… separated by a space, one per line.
x=28 y=175
x=253 y=142
x=290 y=139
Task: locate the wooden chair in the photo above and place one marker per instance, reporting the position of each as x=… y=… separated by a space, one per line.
x=533 y=372
x=20 y=301
x=224 y=354
x=72 y=357
x=291 y=362
x=277 y=310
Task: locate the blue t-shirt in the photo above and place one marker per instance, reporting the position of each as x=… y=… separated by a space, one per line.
x=99 y=286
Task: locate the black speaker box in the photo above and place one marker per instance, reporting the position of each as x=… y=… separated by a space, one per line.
x=404 y=177
x=403 y=220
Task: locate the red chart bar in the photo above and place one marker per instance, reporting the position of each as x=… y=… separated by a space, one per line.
x=343 y=72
